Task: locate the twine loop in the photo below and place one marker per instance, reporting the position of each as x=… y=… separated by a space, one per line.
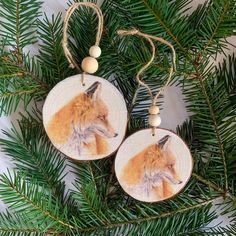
x=69 y=13
x=150 y=39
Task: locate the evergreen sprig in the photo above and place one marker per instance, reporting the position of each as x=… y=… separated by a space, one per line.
x=18 y=21
x=217 y=23
x=51 y=57
x=35 y=192
x=34 y=154
x=35 y=201
x=19 y=224
x=19 y=84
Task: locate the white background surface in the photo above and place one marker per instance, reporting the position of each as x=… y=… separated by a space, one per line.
x=174 y=111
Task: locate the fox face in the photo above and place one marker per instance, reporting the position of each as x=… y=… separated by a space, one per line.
x=83 y=123
x=91 y=113
x=153 y=170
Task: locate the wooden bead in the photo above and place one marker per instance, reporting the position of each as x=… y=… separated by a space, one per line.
x=95 y=51
x=89 y=65
x=153 y=110
x=154 y=120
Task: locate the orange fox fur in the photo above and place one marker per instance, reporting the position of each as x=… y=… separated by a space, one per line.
x=153 y=169
x=83 y=122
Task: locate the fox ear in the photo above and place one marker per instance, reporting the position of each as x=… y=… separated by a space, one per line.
x=94 y=90
x=162 y=143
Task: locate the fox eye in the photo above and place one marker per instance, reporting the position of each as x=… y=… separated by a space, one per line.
x=102 y=117
x=171 y=166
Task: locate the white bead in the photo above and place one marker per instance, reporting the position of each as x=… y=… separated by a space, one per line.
x=153 y=110
x=154 y=120
x=95 y=51
x=89 y=65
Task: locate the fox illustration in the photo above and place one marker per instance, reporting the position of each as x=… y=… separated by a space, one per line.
x=82 y=124
x=152 y=171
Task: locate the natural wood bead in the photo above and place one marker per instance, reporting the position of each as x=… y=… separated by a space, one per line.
x=154 y=120
x=95 y=51
x=153 y=110
x=89 y=65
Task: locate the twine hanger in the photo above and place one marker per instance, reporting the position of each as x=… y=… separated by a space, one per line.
x=150 y=39
x=69 y=13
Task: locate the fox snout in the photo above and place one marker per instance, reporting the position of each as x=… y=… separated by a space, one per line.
x=171 y=176
x=104 y=131
x=173 y=180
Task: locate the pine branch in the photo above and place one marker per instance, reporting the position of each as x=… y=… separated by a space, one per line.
x=24 y=195
x=28 y=68
x=221 y=15
x=51 y=57
x=19 y=83
x=155 y=223
x=34 y=154
x=91 y=192
x=216 y=128
x=18 y=21
x=208 y=183
x=212 y=127
x=19 y=225
x=161 y=14
x=226 y=74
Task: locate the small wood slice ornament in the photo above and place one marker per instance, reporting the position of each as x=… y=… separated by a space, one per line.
x=153 y=164
x=85 y=122
x=85 y=116
x=153 y=168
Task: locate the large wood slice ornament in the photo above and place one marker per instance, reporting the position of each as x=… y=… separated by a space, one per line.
x=85 y=122
x=153 y=168
x=85 y=116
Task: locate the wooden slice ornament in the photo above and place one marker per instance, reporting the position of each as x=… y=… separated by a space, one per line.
x=85 y=116
x=153 y=164
x=153 y=168
x=85 y=122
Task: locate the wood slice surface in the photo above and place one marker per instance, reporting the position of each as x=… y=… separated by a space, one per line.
x=153 y=168
x=85 y=122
